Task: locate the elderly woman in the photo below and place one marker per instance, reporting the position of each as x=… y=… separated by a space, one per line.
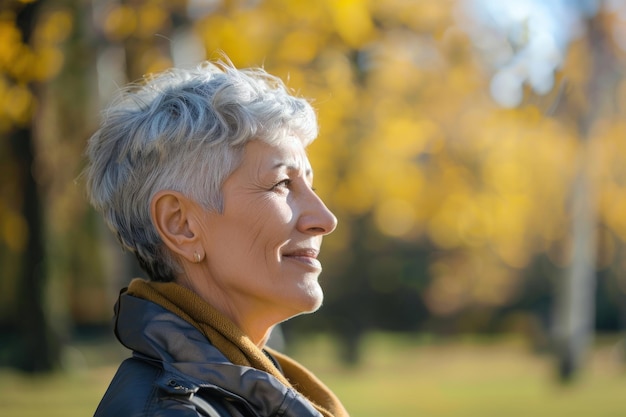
x=203 y=175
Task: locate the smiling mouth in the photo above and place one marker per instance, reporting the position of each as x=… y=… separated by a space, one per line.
x=305 y=256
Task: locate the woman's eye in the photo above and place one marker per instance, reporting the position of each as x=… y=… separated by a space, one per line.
x=282 y=184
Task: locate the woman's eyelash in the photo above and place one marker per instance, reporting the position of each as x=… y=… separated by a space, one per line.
x=283 y=183
x=286 y=183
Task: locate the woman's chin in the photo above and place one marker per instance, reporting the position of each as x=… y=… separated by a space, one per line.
x=310 y=301
x=314 y=300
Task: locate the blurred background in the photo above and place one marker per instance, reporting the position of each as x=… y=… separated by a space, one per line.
x=474 y=152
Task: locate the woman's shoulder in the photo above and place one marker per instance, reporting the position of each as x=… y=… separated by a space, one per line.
x=142 y=387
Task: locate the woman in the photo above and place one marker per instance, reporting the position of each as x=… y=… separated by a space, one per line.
x=204 y=176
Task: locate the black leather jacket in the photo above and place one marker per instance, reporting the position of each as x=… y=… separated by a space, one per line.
x=175 y=371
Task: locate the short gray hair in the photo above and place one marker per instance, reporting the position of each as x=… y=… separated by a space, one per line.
x=183 y=130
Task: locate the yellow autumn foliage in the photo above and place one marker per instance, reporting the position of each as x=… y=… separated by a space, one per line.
x=22 y=64
x=409 y=137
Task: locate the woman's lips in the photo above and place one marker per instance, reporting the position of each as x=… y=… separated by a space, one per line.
x=305 y=256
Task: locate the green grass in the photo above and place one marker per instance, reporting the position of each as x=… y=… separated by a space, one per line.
x=399 y=377
x=404 y=377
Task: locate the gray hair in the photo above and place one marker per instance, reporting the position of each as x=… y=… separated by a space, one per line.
x=183 y=130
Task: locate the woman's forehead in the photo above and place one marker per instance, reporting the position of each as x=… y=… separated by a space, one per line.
x=285 y=155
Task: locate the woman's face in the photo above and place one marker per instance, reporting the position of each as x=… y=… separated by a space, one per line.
x=262 y=249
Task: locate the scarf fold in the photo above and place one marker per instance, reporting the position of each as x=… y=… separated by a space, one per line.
x=234 y=344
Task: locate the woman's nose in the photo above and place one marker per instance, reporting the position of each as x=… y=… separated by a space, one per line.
x=316 y=218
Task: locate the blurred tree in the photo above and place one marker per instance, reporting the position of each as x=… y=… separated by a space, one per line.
x=535 y=52
x=453 y=202
x=576 y=290
x=24 y=51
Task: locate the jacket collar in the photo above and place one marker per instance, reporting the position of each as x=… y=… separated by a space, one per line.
x=155 y=333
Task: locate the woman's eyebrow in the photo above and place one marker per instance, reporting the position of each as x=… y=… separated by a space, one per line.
x=292 y=167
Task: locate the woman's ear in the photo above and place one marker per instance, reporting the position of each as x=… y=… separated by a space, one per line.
x=174 y=217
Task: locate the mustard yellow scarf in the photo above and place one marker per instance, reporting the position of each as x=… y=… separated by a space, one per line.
x=234 y=344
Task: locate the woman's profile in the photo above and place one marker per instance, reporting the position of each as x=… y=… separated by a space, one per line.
x=203 y=175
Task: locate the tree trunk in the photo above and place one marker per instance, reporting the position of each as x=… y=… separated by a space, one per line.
x=38 y=351
x=576 y=296
x=575 y=301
